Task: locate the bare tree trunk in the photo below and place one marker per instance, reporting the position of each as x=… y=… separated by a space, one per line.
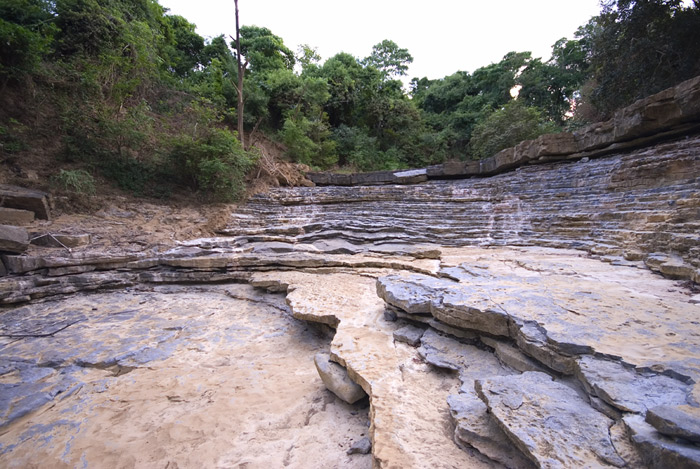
x=239 y=88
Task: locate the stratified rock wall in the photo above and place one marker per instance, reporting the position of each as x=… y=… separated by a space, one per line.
x=643 y=205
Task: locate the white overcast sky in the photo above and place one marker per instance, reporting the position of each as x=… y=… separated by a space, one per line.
x=443 y=36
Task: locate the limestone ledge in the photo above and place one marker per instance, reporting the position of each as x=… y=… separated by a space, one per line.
x=672 y=112
x=34 y=277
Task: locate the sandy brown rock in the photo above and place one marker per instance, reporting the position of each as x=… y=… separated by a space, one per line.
x=408 y=399
x=11 y=216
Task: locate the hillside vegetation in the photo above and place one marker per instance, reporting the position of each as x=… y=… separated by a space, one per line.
x=122 y=92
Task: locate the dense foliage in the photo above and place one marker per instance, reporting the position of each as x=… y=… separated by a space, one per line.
x=639 y=47
x=138 y=97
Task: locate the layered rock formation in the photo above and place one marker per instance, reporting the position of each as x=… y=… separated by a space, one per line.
x=641 y=205
x=511 y=321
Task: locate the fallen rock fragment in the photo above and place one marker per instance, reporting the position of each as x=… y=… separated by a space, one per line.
x=680 y=421
x=657 y=450
x=363 y=446
x=549 y=421
x=410 y=335
x=627 y=389
x=445 y=352
x=336 y=379
x=13 y=239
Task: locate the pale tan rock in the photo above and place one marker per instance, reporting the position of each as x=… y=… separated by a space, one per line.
x=336 y=379
x=408 y=400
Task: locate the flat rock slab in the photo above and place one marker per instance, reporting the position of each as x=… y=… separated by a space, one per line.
x=469 y=361
x=408 y=397
x=410 y=335
x=511 y=356
x=627 y=389
x=60 y=240
x=657 y=450
x=549 y=421
x=557 y=305
x=676 y=421
x=212 y=376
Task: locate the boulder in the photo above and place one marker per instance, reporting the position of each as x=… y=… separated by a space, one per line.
x=336 y=379
x=13 y=239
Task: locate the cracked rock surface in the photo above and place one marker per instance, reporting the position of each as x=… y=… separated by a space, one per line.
x=169 y=377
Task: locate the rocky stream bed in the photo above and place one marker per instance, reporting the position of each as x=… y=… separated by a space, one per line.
x=543 y=317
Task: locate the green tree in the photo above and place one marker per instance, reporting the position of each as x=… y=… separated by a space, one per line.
x=185 y=51
x=506 y=127
x=553 y=86
x=391 y=60
x=26 y=36
x=639 y=47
